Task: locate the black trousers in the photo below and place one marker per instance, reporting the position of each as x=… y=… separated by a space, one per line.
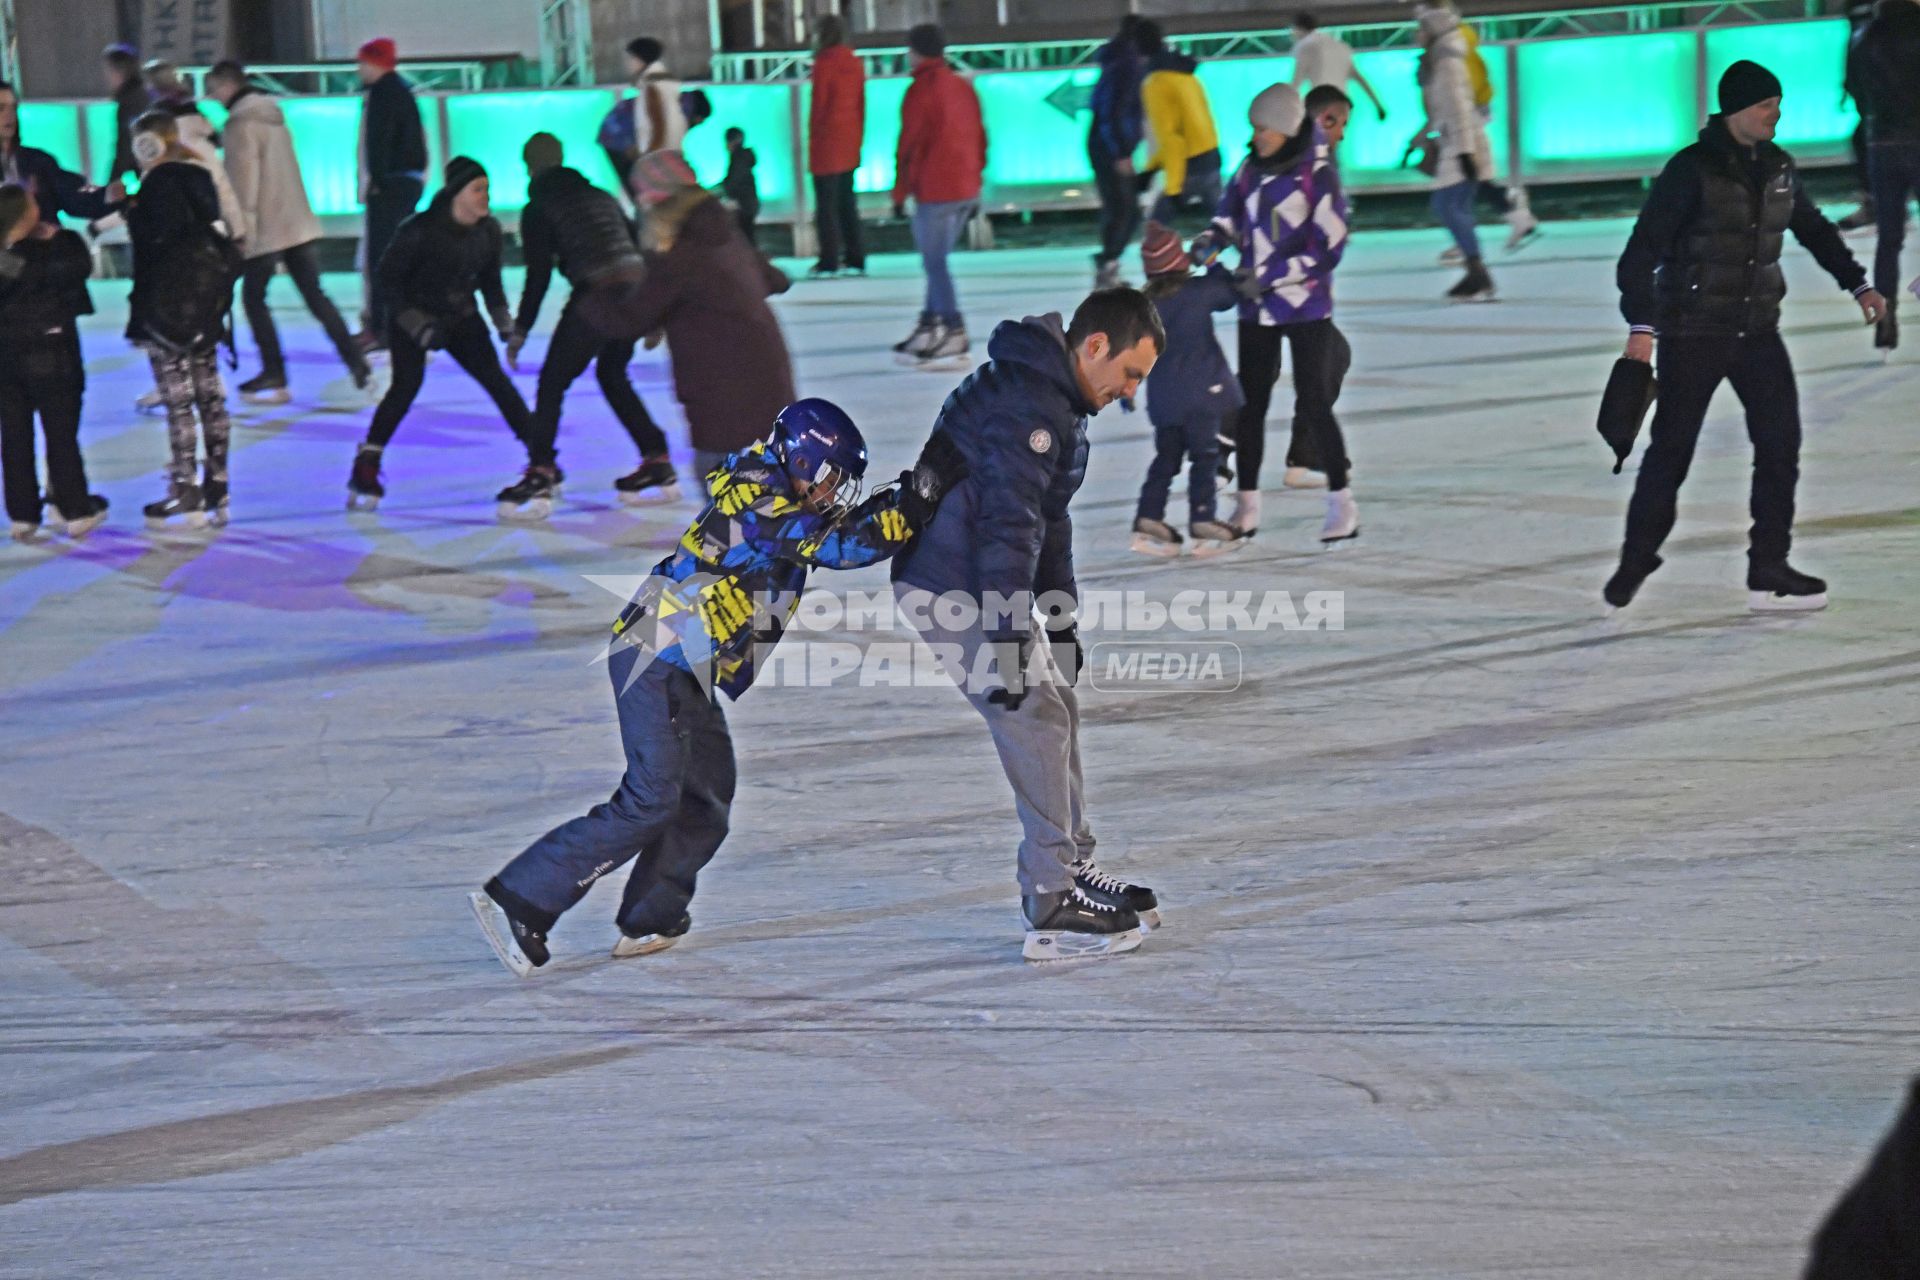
x=836 y=220
x=303 y=266
x=471 y=347
x=43 y=376
x=1119 y=202
x=387 y=208
x=747 y=218
x=1690 y=369
x=581 y=338
x=1318 y=367
x=1893 y=170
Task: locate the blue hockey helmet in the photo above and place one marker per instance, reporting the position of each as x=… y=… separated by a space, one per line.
x=817 y=442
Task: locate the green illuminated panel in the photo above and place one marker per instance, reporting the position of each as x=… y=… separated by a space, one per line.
x=54 y=127
x=764 y=113
x=1231 y=85
x=1807 y=56
x=103 y=132
x=1033 y=141
x=1607 y=102
x=326 y=138
x=493 y=127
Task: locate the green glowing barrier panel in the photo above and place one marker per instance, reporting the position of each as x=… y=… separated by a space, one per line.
x=493 y=128
x=54 y=127
x=1599 y=104
x=1807 y=56
x=764 y=112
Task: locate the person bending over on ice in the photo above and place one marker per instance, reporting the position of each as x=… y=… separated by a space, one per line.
x=1702 y=271
x=777 y=510
x=1002 y=545
x=429 y=274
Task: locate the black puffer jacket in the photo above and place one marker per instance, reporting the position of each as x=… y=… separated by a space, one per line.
x=434 y=265
x=43 y=286
x=393 y=142
x=1704 y=257
x=183 y=268
x=1885 y=73
x=570 y=220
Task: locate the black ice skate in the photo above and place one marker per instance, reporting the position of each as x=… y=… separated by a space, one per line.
x=1475 y=286
x=1781 y=588
x=1072 y=925
x=1886 y=334
x=532 y=497
x=1215 y=537
x=1625 y=583
x=85 y=517
x=520 y=948
x=655 y=482
x=364 y=489
x=946 y=349
x=1115 y=892
x=214 y=495
x=1155 y=538
x=645 y=944
x=184 y=504
x=266 y=388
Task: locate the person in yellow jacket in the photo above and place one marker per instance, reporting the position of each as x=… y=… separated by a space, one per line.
x=1511 y=201
x=1185 y=147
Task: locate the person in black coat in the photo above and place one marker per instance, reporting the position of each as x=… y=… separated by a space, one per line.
x=1873 y=1233
x=393 y=168
x=739 y=186
x=1702 y=271
x=427 y=279
x=43 y=292
x=184 y=269
x=584 y=229
x=120 y=64
x=55 y=190
x=1886 y=64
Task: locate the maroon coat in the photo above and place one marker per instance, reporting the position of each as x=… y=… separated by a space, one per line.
x=709 y=293
x=837 y=116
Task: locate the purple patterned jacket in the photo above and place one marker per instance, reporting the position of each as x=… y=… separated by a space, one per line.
x=1288 y=217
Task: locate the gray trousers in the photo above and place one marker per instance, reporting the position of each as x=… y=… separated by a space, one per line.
x=1039 y=746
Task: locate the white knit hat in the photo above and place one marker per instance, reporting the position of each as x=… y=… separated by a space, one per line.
x=1277 y=107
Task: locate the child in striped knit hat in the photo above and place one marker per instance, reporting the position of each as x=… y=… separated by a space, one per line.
x=1192 y=398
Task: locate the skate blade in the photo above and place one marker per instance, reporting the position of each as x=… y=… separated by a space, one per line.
x=1485 y=296
x=219 y=519
x=1154 y=547
x=194 y=522
x=531 y=513
x=944 y=364
x=651 y=497
x=362 y=502
x=1149 y=921
x=1516 y=245
x=1768 y=602
x=488 y=913
x=266 y=398
x=81 y=528
x=644 y=945
x=1044 y=946
x=906 y=359
x=1339 y=540
x=1207 y=549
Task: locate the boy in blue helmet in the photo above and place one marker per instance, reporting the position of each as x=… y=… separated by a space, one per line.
x=777 y=510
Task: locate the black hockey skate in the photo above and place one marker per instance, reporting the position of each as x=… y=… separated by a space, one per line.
x=1115 y=892
x=519 y=946
x=532 y=497
x=645 y=944
x=184 y=504
x=1781 y=588
x=1072 y=925
x=1625 y=583
x=364 y=489
x=214 y=496
x=655 y=482
x=266 y=388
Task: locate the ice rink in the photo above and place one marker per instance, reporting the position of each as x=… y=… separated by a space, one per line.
x=1503 y=938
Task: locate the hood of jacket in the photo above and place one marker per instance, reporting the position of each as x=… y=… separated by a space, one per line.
x=1117 y=50
x=1039 y=343
x=691 y=216
x=255 y=107
x=1172 y=60
x=557 y=181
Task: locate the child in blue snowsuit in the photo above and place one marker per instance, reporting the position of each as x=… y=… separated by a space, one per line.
x=693 y=629
x=1192 y=399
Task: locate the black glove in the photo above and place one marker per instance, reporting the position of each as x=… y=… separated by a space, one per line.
x=1246 y=283
x=1010 y=657
x=1067 y=653
x=422 y=328
x=939 y=467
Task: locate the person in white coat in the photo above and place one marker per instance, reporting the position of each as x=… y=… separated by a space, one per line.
x=283 y=230
x=172 y=95
x=652 y=119
x=1459 y=152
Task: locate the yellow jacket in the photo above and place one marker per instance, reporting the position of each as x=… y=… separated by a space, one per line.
x=1477 y=78
x=1179 y=124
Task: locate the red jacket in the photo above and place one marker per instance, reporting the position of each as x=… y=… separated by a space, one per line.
x=943 y=142
x=838 y=116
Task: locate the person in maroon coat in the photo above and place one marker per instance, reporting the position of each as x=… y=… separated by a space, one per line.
x=836 y=122
x=706 y=289
x=943 y=153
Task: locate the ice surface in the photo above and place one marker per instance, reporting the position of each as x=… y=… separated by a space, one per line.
x=1503 y=939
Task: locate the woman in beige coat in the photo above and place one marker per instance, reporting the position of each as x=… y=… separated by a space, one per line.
x=1457 y=137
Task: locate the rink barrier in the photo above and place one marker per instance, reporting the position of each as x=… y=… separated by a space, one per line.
x=1566 y=109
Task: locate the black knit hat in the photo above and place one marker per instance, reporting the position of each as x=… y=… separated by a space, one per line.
x=462 y=170
x=927 y=40
x=1745 y=83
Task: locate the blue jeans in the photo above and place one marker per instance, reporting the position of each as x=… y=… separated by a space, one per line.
x=669 y=811
x=936 y=229
x=1893 y=175
x=1453 y=208
x=1198 y=443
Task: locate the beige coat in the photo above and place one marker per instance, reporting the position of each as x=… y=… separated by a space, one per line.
x=1448 y=95
x=266 y=177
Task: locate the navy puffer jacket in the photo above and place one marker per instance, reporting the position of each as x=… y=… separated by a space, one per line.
x=1021 y=422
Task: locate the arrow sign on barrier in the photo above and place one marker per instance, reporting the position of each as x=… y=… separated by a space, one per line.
x=1070 y=99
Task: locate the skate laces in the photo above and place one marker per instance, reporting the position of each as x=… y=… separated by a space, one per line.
x=1099 y=879
x=1080 y=898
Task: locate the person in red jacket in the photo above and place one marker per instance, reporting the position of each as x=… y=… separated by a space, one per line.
x=835 y=122
x=943 y=152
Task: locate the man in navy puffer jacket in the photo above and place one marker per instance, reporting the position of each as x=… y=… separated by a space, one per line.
x=1002 y=543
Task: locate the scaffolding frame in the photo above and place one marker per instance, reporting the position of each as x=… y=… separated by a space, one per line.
x=566 y=43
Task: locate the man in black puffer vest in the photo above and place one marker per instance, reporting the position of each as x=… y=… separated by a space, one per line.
x=1702 y=271
x=569 y=219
